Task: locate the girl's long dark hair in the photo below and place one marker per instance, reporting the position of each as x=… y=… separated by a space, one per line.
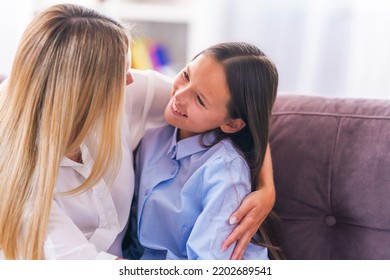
x=252 y=81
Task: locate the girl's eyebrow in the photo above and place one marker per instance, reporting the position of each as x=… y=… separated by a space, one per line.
x=203 y=97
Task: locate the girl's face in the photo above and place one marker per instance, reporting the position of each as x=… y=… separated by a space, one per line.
x=199 y=98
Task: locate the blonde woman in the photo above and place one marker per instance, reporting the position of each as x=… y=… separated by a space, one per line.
x=68 y=127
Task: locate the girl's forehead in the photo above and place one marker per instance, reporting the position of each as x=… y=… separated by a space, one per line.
x=204 y=68
x=207 y=76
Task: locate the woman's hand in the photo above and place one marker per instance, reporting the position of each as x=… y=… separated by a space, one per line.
x=253 y=210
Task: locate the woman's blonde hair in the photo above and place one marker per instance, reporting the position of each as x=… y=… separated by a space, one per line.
x=67 y=83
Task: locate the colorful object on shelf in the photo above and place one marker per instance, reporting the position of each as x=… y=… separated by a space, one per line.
x=148 y=54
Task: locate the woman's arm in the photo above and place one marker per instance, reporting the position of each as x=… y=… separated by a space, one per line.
x=145 y=102
x=253 y=210
x=66 y=241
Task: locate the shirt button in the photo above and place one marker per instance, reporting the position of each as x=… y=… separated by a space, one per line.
x=147 y=192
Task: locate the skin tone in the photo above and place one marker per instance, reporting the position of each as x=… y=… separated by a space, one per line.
x=199 y=100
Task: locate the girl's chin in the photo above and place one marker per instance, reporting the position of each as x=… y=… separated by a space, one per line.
x=169 y=119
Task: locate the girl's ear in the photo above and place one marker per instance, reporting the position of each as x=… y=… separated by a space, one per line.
x=232 y=125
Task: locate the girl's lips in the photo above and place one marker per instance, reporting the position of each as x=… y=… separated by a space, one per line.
x=176 y=111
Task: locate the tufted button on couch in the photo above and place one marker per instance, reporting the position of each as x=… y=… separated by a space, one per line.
x=331 y=160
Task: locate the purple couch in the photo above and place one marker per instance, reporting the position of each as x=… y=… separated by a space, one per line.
x=331 y=160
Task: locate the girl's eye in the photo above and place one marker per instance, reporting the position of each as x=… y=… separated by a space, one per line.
x=200 y=101
x=186 y=76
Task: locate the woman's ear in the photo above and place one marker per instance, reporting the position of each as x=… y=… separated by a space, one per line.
x=232 y=125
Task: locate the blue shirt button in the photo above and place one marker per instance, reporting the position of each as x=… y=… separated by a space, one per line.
x=147 y=191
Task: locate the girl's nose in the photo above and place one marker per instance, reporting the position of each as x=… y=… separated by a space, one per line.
x=180 y=96
x=183 y=92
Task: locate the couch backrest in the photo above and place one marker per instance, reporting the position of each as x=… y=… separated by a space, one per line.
x=331 y=160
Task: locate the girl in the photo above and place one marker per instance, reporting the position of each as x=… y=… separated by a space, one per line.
x=195 y=171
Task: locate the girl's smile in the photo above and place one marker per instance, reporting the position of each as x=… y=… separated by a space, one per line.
x=175 y=110
x=199 y=98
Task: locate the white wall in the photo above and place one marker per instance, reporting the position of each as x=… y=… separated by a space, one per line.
x=14 y=18
x=15 y=15
x=321 y=47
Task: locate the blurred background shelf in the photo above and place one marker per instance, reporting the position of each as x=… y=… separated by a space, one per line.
x=320 y=47
x=163 y=23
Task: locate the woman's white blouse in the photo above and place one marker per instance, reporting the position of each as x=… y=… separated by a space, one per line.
x=91 y=225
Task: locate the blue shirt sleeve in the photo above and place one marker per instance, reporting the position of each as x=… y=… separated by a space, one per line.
x=226 y=183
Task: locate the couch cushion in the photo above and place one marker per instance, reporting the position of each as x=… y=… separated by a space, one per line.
x=331 y=161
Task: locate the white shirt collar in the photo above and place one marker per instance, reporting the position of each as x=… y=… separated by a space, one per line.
x=85 y=155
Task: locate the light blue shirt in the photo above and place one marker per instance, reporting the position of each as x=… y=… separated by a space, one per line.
x=186 y=194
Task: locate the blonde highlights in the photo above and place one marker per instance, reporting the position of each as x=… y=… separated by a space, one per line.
x=67 y=83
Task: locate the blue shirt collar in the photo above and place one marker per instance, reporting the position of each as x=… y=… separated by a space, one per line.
x=190 y=145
